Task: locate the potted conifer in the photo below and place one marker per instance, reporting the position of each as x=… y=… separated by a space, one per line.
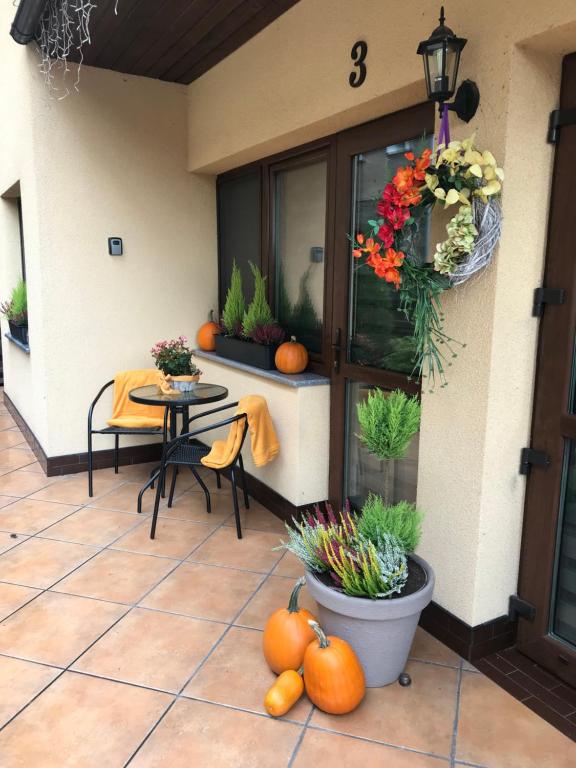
x=16 y=312
x=249 y=335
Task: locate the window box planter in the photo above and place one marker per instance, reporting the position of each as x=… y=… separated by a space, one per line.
x=257 y=355
x=19 y=332
x=380 y=631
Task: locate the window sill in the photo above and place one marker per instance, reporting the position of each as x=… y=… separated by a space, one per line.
x=24 y=347
x=297 y=380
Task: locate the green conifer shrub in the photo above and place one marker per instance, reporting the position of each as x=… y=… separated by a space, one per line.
x=258 y=312
x=235 y=305
x=402 y=520
x=388 y=421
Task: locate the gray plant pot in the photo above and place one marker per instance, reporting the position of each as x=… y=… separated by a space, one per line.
x=380 y=631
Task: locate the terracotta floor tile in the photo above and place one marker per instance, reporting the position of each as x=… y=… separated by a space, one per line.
x=8 y=541
x=81 y=722
x=98 y=527
x=72 y=489
x=194 y=733
x=253 y=552
x=468 y=666
x=10 y=438
x=42 y=562
x=124 y=577
x=158 y=650
x=20 y=681
x=6 y=500
x=35 y=466
x=124 y=498
x=15 y=458
x=257 y=518
x=13 y=596
x=174 y=538
x=192 y=506
x=237 y=674
x=204 y=590
x=328 y=749
x=7 y=422
x=55 y=629
x=19 y=483
x=396 y=715
x=30 y=516
x=497 y=730
x=134 y=473
x=427 y=648
x=289 y=566
x=272 y=595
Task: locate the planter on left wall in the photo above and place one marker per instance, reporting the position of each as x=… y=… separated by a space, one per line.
x=19 y=332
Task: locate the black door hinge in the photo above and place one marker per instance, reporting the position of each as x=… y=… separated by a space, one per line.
x=544 y=296
x=558 y=118
x=530 y=458
x=517 y=607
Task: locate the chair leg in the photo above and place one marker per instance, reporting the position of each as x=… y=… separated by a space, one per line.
x=202 y=485
x=172 y=485
x=235 y=502
x=90 y=465
x=244 y=485
x=218 y=480
x=149 y=484
x=157 y=502
x=116 y=446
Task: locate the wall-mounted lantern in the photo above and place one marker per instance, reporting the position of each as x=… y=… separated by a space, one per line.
x=441 y=55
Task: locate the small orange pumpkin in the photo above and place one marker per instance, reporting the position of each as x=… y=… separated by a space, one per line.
x=333 y=676
x=206 y=333
x=291 y=357
x=287 y=634
x=285 y=692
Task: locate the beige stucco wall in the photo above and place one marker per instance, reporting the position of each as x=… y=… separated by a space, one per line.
x=110 y=160
x=301 y=419
x=473 y=430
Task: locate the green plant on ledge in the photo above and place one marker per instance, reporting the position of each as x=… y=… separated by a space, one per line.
x=235 y=304
x=258 y=313
x=16 y=309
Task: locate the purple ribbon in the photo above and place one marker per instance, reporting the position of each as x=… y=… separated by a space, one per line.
x=444 y=132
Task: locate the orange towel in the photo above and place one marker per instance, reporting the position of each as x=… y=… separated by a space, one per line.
x=125 y=413
x=265 y=445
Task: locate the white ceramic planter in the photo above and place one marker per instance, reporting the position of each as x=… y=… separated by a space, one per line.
x=380 y=631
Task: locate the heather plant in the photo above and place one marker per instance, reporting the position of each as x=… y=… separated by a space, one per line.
x=388 y=421
x=258 y=312
x=174 y=357
x=235 y=304
x=334 y=544
x=267 y=333
x=402 y=520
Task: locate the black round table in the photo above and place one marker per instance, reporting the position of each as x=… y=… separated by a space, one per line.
x=202 y=394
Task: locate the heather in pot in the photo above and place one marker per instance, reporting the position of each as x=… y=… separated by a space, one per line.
x=369 y=585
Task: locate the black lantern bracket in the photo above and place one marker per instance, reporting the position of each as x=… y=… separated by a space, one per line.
x=466 y=101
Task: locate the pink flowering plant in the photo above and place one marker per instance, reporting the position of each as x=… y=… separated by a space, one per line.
x=174 y=357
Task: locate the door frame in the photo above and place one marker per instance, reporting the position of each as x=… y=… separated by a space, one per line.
x=552 y=423
x=392 y=129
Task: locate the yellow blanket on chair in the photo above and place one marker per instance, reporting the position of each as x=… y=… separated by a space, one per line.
x=265 y=445
x=131 y=415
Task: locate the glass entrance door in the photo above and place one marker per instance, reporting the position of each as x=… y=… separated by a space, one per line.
x=372 y=340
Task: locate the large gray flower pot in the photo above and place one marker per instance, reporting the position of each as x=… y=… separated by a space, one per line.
x=380 y=631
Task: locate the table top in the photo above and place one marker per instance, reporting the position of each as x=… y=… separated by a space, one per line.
x=201 y=394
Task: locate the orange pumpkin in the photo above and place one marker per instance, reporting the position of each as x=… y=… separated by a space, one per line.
x=333 y=676
x=291 y=357
x=205 y=336
x=285 y=692
x=287 y=634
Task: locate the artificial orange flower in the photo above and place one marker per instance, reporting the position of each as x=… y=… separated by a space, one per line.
x=372 y=247
x=357 y=253
x=387 y=267
x=409 y=155
x=404 y=179
x=422 y=164
x=412 y=196
x=360 y=239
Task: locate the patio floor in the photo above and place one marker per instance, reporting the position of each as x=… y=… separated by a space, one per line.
x=117 y=650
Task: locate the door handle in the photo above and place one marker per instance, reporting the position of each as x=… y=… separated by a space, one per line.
x=336 y=350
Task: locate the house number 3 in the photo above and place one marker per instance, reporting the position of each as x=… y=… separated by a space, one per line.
x=358 y=53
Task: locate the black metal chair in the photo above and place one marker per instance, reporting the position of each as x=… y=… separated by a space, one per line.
x=117 y=432
x=186 y=451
